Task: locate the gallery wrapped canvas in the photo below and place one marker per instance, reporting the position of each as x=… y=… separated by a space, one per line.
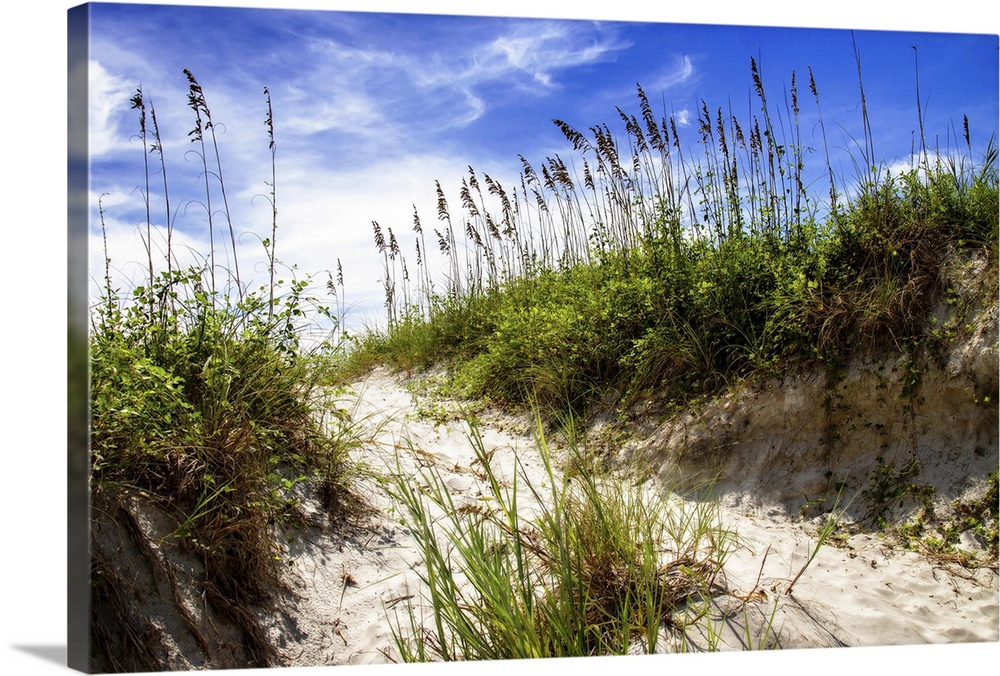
x=406 y=337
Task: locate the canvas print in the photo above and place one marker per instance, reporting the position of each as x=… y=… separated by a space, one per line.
x=422 y=338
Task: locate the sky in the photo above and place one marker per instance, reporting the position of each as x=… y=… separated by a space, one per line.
x=34 y=274
x=372 y=109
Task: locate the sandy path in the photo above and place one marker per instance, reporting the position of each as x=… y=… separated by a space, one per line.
x=348 y=584
x=859 y=593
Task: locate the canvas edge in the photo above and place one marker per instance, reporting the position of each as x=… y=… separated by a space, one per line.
x=78 y=435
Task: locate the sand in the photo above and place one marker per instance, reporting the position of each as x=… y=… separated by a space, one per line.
x=862 y=591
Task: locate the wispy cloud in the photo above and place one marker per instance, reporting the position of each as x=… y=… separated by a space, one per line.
x=441 y=85
x=106 y=96
x=678 y=77
x=680 y=72
x=541 y=50
x=333 y=89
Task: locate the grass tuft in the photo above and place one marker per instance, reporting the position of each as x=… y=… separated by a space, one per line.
x=573 y=567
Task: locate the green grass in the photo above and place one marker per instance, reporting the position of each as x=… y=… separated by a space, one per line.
x=580 y=565
x=210 y=414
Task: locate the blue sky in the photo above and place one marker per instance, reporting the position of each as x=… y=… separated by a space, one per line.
x=371 y=108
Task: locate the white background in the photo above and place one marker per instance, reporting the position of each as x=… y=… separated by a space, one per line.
x=33 y=254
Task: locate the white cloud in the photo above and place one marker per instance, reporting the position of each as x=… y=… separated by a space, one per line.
x=540 y=49
x=325 y=213
x=330 y=89
x=361 y=90
x=681 y=72
x=105 y=99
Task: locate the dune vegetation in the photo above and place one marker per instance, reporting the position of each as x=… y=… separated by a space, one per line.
x=657 y=267
x=205 y=405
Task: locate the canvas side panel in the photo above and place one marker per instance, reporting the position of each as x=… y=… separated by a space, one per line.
x=78 y=429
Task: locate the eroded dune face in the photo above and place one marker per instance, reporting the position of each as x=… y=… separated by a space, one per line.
x=929 y=416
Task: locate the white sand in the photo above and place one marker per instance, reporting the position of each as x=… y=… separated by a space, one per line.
x=860 y=593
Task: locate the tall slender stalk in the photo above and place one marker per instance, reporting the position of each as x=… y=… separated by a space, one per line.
x=799 y=187
x=138 y=103
x=158 y=148
x=448 y=244
x=920 y=115
x=272 y=242
x=196 y=99
x=108 y=290
x=196 y=103
x=869 y=148
x=426 y=286
x=826 y=150
x=387 y=285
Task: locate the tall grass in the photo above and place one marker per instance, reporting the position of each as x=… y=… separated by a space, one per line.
x=647 y=262
x=576 y=566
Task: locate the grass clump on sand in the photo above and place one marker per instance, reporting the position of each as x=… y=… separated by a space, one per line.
x=578 y=566
x=208 y=415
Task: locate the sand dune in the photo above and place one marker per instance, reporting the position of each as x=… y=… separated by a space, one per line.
x=858 y=591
